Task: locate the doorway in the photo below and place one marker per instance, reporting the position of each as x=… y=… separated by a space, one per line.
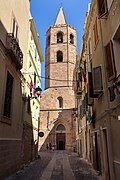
x=106 y=155
x=96 y=152
x=60 y=141
x=60 y=137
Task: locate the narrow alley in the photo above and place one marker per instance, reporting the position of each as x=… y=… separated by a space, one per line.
x=60 y=90
x=57 y=165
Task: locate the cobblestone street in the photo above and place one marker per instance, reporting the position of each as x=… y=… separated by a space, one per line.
x=57 y=165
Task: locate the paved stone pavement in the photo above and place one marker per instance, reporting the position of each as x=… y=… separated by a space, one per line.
x=57 y=165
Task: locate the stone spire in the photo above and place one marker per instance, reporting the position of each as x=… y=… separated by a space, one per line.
x=60 y=17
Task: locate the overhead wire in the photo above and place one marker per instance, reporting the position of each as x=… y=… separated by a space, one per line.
x=53 y=79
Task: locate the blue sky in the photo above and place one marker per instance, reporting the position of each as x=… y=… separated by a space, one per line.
x=45 y=12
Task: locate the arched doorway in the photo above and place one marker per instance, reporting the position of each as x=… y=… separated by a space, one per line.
x=60 y=137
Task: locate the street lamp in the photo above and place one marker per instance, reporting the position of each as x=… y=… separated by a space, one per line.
x=38 y=91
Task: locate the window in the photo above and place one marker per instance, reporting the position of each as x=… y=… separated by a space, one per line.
x=116 y=48
x=110 y=63
x=97 y=77
x=15 y=28
x=48 y=40
x=95 y=31
x=8 y=95
x=89 y=49
x=102 y=7
x=79 y=81
x=34 y=79
x=59 y=56
x=90 y=85
x=28 y=105
x=60 y=101
x=60 y=127
x=71 y=39
x=84 y=106
x=59 y=37
x=90 y=89
x=35 y=53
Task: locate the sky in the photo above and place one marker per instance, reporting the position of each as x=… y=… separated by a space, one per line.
x=45 y=12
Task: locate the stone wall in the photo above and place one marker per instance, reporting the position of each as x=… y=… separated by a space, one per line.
x=10 y=156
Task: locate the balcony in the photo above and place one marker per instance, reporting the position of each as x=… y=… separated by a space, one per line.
x=14 y=51
x=79 y=93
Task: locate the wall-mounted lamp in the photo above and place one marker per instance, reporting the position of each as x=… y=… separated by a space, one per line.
x=37 y=91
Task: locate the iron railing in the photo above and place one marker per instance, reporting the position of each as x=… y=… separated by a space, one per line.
x=14 y=50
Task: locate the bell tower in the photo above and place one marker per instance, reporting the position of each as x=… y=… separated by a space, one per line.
x=60 y=53
x=58 y=100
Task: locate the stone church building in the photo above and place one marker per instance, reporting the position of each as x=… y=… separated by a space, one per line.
x=57 y=114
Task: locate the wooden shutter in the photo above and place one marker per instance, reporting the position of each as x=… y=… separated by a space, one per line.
x=95 y=30
x=90 y=89
x=80 y=111
x=110 y=63
x=90 y=85
x=102 y=7
x=97 y=80
x=83 y=108
x=86 y=101
x=34 y=79
x=28 y=105
x=79 y=84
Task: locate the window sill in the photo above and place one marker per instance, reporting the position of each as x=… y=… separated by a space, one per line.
x=6 y=120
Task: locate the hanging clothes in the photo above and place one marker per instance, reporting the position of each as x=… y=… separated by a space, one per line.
x=89 y=114
x=32 y=89
x=79 y=81
x=83 y=81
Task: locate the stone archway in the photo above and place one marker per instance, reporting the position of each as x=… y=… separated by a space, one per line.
x=60 y=137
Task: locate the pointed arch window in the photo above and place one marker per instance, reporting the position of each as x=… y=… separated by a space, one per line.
x=60 y=127
x=59 y=37
x=60 y=102
x=59 y=56
x=71 y=39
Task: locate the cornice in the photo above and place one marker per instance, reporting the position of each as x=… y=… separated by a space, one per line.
x=89 y=19
x=36 y=39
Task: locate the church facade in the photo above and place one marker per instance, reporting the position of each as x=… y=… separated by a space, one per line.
x=58 y=113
